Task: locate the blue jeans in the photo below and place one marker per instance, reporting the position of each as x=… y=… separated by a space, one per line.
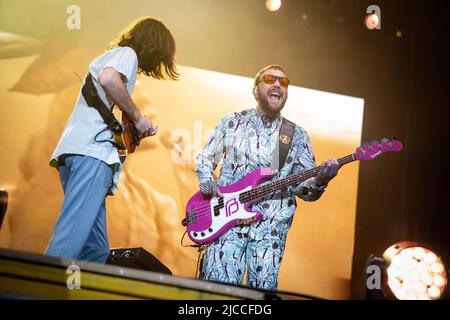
x=80 y=232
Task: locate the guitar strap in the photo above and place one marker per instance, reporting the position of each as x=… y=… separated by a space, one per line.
x=93 y=100
x=283 y=144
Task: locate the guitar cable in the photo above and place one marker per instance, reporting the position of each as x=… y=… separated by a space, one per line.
x=100 y=141
x=189 y=245
x=200 y=251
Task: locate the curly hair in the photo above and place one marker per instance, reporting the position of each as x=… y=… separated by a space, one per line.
x=154 y=46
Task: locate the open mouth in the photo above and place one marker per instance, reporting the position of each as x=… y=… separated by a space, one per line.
x=275 y=96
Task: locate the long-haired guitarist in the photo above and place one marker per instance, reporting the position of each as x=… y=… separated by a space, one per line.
x=87 y=156
x=247 y=141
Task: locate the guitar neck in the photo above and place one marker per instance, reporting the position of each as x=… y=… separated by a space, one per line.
x=269 y=188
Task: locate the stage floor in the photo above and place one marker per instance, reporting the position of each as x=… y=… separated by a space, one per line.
x=33 y=276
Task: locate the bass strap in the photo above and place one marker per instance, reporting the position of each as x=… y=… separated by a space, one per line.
x=283 y=146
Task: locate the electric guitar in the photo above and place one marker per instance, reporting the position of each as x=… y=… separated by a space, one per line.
x=208 y=219
x=126 y=139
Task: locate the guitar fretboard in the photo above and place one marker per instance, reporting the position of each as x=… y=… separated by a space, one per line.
x=269 y=188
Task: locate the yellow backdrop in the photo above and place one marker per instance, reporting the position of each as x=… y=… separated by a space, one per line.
x=37 y=94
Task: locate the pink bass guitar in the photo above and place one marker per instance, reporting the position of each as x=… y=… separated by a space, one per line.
x=208 y=219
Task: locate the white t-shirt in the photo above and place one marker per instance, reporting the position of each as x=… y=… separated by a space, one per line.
x=81 y=133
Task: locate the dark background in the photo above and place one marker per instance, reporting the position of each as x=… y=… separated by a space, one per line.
x=403 y=80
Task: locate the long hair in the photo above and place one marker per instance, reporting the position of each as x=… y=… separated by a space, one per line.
x=154 y=46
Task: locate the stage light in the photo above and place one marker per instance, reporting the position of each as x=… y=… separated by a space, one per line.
x=413 y=272
x=273 y=5
x=371 y=21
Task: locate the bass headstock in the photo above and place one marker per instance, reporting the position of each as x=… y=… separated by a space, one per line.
x=369 y=151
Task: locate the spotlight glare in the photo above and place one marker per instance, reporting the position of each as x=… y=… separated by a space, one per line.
x=430 y=257
x=403 y=274
x=393 y=272
x=408 y=286
x=410 y=264
x=419 y=253
x=434 y=292
x=437 y=267
x=423 y=296
x=371 y=21
x=407 y=254
x=414 y=276
x=411 y=296
x=397 y=261
x=395 y=283
x=413 y=272
x=401 y=294
x=422 y=267
x=438 y=280
x=427 y=279
x=420 y=287
x=273 y=5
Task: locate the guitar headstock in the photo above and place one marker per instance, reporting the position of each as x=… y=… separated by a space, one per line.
x=369 y=151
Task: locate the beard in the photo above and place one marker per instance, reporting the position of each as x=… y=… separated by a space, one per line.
x=271 y=111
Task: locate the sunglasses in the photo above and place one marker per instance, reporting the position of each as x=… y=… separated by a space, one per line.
x=271 y=79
